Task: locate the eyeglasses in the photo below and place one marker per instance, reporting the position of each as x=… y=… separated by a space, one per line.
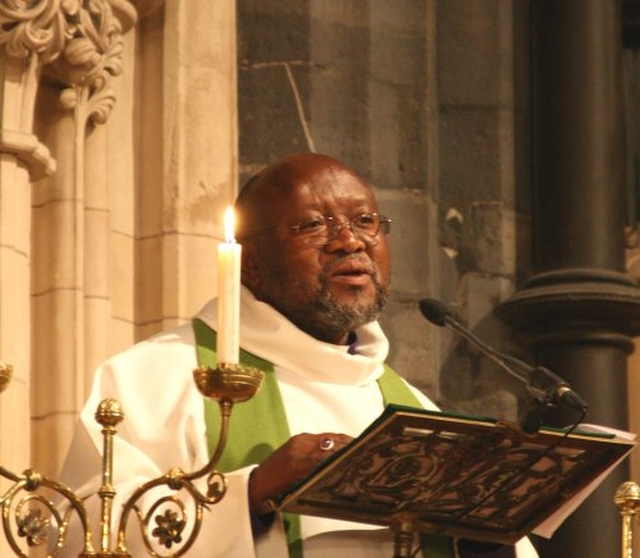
x=322 y=229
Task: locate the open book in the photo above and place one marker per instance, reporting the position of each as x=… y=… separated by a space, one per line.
x=459 y=476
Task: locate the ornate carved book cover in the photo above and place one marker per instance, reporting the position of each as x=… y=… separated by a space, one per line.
x=453 y=475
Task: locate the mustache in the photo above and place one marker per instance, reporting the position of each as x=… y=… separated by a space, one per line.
x=363 y=260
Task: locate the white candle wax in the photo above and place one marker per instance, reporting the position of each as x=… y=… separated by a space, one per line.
x=229 y=255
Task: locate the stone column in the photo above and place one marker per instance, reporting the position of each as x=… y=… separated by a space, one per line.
x=23 y=158
x=199 y=146
x=118 y=239
x=42 y=247
x=580 y=308
x=70 y=252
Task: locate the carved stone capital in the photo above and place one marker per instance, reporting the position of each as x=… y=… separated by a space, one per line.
x=45 y=27
x=78 y=43
x=595 y=306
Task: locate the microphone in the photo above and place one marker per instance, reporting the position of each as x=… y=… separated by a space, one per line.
x=545 y=386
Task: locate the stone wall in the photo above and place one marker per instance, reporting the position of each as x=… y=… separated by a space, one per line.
x=427 y=100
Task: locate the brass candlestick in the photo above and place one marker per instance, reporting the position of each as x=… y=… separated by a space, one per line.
x=627 y=498
x=38 y=520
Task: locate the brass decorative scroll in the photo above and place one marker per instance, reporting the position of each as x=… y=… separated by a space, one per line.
x=36 y=510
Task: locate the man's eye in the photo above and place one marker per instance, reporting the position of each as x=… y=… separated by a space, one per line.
x=366 y=221
x=312 y=225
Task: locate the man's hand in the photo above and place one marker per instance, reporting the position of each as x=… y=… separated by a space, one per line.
x=290 y=463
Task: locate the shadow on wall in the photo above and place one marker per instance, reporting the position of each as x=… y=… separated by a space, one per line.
x=472 y=383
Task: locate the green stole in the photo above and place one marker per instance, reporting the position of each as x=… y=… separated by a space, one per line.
x=259 y=426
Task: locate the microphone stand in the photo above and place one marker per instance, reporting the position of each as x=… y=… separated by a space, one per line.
x=545 y=388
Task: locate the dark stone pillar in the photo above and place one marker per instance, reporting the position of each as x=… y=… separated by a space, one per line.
x=579 y=307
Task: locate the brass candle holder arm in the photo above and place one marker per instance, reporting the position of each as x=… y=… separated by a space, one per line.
x=227 y=384
x=34 y=514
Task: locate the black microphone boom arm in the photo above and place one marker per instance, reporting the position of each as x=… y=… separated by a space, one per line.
x=545 y=387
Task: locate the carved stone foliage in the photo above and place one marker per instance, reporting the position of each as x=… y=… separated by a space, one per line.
x=78 y=42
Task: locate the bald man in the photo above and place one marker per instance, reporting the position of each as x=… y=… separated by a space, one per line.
x=315 y=275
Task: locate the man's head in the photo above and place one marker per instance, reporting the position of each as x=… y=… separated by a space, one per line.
x=314 y=245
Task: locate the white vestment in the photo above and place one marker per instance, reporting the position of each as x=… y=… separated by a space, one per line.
x=324 y=389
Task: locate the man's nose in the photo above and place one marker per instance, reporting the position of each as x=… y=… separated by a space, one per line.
x=344 y=237
x=337 y=227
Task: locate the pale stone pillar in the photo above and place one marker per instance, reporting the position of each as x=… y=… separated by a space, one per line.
x=22 y=158
x=41 y=320
x=200 y=145
x=116 y=238
x=70 y=312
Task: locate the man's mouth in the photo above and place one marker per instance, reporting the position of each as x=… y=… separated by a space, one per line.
x=351 y=273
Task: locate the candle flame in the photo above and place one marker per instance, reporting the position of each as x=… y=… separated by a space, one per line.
x=229 y=225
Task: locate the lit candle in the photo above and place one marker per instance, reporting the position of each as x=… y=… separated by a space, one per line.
x=229 y=254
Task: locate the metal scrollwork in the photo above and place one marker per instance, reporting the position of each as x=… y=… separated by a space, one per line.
x=36 y=511
x=31 y=518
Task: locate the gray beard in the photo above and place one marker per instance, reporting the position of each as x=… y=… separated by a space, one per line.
x=348 y=317
x=330 y=317
x=324 y=317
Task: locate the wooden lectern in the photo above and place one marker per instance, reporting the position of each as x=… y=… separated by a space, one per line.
x=445 y=474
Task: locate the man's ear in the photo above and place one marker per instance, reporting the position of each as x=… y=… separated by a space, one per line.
x=250 y=269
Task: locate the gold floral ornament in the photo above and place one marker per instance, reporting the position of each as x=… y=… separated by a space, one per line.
x=39 y=521
x=169 y=529
x=34 y=527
